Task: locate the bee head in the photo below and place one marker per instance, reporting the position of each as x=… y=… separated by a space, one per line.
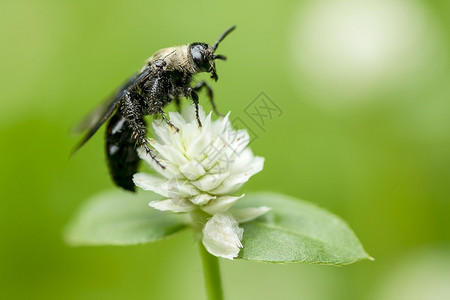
x=204 y=57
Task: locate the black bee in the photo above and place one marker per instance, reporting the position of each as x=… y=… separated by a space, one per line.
x=166 y=76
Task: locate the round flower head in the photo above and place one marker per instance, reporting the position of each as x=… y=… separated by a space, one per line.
x=204 y=166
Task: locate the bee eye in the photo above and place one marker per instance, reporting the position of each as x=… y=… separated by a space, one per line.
x=199 y=57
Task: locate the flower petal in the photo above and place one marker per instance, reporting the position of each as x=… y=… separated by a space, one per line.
x=222 y=236
x=149 y=182
x=206 y=125
x=188 y=133
x=217 y=153
x=169 y=170
x=197 y=147
x=177 y=119
x=202 y=199
x=210 y=181
x=242 y=161
x=189 y=114
x=174 y=205
x=220 y=204
x=179 y=188
x=233 y=183
x=236 y=140
x=192 y=170
x=161 y=131
x=169 y=153
x=220 y=125
x=243 y=215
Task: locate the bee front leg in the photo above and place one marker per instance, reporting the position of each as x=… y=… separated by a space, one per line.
x=209 y=92
x=191 y=93
x=132 y=112
x=163 y=116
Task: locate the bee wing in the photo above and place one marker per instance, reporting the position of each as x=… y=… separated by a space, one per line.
x=99 y=116
x=101 y=112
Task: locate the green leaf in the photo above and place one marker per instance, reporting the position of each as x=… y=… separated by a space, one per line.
x=295 y=231
x=120 y=218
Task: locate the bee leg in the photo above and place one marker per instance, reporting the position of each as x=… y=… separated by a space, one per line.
x=149 y=152
x=132 y=112
x=209 y=91
x=163 y=116
x=194 y=96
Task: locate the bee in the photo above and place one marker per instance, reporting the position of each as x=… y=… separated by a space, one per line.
x=165 y=77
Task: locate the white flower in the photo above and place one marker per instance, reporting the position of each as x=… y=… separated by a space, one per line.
x=203 y=167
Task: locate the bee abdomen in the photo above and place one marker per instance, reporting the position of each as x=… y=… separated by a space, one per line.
x=121 y=153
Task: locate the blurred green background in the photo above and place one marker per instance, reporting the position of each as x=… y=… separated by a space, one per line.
x=365 y=133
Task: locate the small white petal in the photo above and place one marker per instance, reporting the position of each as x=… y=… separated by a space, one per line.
x=179 y=188
x=177 y=119
x=241 y=141
x=210 y=181
x=165 y=136
x=242 y=161
x=169 y=153
x=206 y=125
x=243 y=215
x=222 y=236
x=161 y=132
x=168 y=172
x=188 y=133
x=197 y=147
x=149 y=182
x=189 y=114
x=192 y=170
x=248 y=166
x=220 y=204
x=221 y=125
x=175 y=205
x=236 y=140
x=177 y=141
x=201 y=199
x=216 y=153
x=233 y=183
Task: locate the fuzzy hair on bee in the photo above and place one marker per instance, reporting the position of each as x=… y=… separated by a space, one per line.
x=176 y=58
x=165 y=77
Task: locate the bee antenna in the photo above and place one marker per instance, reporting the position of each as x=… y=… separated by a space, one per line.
x=220 y=56
x=216 y=44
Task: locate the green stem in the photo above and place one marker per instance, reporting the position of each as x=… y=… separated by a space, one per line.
x=211 y=272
